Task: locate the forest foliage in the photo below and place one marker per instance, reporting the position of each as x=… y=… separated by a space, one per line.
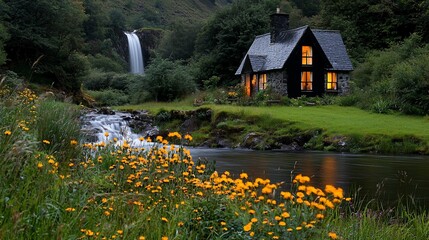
x=66 y=44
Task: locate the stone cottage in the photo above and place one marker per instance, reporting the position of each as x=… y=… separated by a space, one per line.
x=296 y=62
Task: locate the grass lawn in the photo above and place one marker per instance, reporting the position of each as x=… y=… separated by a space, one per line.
x=333 y=119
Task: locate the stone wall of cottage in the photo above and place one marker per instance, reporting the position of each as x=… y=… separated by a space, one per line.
x=277 y=81
x=343 y=83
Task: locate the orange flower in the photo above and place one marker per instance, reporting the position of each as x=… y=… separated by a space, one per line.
x=188 y=137
x=247 y=227
x=70 y=209
x=7 y=132
x=332 y=235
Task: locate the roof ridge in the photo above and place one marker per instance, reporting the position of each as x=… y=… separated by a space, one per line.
x=324 y=30
x=262 y=35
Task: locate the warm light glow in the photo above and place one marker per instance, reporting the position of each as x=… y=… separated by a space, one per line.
x=306 y=81
x=331 y=81
x=254 y=80
x=307 y=55
x=248 y=84
x=262 y=81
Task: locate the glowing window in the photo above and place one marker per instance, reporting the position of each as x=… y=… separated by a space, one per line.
x=306 y=81
x=331 y=81
x=262 y=81
x=307 y=55
x=248 y=84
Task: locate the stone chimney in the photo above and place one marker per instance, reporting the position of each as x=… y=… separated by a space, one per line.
x=279 y=24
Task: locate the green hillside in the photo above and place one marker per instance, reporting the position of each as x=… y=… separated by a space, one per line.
x=144 y=13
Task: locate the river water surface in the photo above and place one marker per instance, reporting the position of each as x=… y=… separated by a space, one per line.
x=384 y=178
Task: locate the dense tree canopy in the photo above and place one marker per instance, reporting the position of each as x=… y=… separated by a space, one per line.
x=225 y=38
x=45 y=35
x=374 y=24
x=3 y=33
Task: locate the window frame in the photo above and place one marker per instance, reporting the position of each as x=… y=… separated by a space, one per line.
x=306 y=60
x=262 y=81
x=331 y=79
x=308 y=81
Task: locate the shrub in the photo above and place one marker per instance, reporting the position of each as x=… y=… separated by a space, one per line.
x=410 y=81
x=109 y=97
x=98 y=80
x=166 y=80
x=105 y=64
x=393 y=79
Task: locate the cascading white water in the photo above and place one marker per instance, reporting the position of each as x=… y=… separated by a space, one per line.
x=136 y=56
x=95 y=126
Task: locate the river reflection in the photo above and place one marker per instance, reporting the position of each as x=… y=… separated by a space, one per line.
x=384 y=178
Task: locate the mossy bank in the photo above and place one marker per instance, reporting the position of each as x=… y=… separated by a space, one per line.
x=223 y=128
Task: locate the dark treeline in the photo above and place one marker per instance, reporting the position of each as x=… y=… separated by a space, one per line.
x=73 y=44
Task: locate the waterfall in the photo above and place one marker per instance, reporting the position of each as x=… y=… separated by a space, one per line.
x=136 y=56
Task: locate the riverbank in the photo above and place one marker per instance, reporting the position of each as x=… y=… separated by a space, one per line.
x=325 y=128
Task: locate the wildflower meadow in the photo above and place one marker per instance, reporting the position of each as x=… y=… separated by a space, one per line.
x=53 y=186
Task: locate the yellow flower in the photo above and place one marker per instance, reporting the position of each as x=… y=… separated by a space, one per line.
x=320 y=216
x=89 y=233
x=332 y=235
x=107 y=213
x=302 y=179
x=282 y=223
x=73 y=142
x=164 y=219
x=286 y=195
x=142 y=238
x=180 y=224
x=285 y=214
x=70 y=209
x=188 y=137
x=46 y=142
x=253 y=220
x=7 y=132
x=164 y=238
x=243 y=175
x=106 y=134
x=120 y=232
x=39 y=164
x=247 y=227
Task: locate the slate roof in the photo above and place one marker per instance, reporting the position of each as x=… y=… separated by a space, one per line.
x=265 y=56
x=334 y=48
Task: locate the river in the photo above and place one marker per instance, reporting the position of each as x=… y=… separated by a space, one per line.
x=380 y=177
x=385 y=178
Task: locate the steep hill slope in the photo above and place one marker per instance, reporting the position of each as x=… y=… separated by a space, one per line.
x=158 y=13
